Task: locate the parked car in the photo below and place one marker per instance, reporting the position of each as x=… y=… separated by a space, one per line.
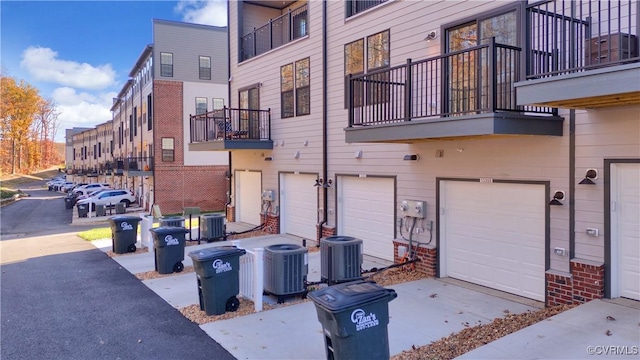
x=86 y=189
x=109 y=198
x=60 y=185
x=53 y=182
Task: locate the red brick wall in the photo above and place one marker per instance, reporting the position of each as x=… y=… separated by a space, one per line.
x=177 y=186
x=272 y=223
x=428 y=257
x=559 y=289
x=231 y=213
x=588 y=281
x=324 y=232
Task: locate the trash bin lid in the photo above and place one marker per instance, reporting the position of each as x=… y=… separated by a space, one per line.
x=124 y=218
x=215 y=252
x=351 y=294
x=168 y=230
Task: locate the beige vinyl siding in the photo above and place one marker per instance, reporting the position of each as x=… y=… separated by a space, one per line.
x=503 y=158
x=602 y=134
x=294 y=131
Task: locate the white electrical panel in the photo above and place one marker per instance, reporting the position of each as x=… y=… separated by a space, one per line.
x=414 y=208
x=268 y=195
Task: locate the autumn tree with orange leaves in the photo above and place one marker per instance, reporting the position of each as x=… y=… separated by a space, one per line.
x=28 y=124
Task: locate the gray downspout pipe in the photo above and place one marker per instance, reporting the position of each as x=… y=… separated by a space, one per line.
x=325 y=190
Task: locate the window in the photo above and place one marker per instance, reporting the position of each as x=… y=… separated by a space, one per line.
x=303 y=100
x=378 y=58
x=249 y=121
x=205 y=67
x=354 y=65
x=467 y=84
x=135 y=121
x=168 y=153
x=131 y=127
x=218 y=103
x=357 y=6
x=201 y=105
x=286 y=91
x=149 y=113
x=166 y=64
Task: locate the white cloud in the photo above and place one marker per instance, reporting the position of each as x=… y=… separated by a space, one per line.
x=81 y=109
x=213 y=12
x=43 y=64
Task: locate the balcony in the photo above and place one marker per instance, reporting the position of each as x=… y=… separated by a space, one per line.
x=279 y=31
x=583 y=55
x=138 y=166
x=468 y=93
x=231 y=129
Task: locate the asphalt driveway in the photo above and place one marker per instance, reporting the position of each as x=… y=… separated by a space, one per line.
x=61 y=298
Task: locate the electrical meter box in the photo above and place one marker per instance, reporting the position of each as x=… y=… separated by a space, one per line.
x=414 y=208
x=268 y=195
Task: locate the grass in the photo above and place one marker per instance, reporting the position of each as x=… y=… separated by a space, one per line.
x=95 y=234
x=12 y=181
x=6 y=193
x=105 y=232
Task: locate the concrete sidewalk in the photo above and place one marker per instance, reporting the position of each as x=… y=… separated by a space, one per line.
x=424 y=311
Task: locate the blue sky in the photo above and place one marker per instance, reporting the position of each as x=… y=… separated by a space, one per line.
x=79 y=53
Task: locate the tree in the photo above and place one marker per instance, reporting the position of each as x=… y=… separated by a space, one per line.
x=19 y=103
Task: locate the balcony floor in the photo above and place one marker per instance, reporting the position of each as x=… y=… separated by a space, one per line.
x=231 y=145
x=489 y=124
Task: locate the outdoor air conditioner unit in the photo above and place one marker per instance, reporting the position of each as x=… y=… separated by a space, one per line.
x=340 y=259
x=285 y=270
x=212 y=227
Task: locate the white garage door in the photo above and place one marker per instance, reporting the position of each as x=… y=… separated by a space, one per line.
x=625 y=230
x=248 y=197
x=298 y=205
x=493 y=235
x=366 y=210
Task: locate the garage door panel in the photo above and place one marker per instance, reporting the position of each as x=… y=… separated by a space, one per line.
x=626 y=228
x=502 y=227
x=366 y=210
x=299 y=205
x=248 y=197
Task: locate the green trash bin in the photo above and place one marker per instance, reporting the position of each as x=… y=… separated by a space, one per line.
x=168 y=245
x=83 y=210
x=354 y=317
x=217 y=273
x=124 y=232
x=175 y=221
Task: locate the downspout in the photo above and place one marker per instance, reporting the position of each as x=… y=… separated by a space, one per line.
x=229 y=180
x=325 y=190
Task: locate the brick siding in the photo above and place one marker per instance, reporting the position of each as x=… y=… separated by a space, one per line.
x=428 y=257
x=271 y=223
x=588 y=281
x=559 y=289
x=177 y=186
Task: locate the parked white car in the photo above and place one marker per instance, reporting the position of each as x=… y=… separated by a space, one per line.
x=86 y=189
x=109 y=198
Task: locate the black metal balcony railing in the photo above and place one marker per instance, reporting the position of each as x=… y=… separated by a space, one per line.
x=357 y=6
x=572 y=36
x=231 y=124
x=138 y=164
x=277 y=32
x=471 y=81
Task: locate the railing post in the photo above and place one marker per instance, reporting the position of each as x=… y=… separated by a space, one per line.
x=408 y=105
x=255 y=46
x=258 y=278
x=270 y=34
x=350 y=99
x=269 y=124
x=491 y=90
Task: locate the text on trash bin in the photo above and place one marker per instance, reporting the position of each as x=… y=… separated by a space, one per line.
x=362 y=320
x=221 y=266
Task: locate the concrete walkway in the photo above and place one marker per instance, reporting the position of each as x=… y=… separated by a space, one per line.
x=424 y=311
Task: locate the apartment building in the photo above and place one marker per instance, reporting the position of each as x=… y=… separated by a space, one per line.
x=498 y=142
x=143 y=147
